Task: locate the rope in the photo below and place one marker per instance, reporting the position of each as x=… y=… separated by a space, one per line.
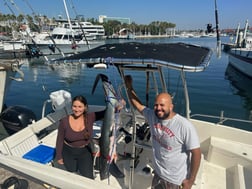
x=14 y=181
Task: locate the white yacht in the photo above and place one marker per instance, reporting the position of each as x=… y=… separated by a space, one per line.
x=96 y=31
x=61 y=40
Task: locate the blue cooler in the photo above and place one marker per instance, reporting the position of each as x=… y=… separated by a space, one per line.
x=42 y=154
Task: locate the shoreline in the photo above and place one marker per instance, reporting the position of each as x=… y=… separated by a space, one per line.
x=152 y=36
x=142 y=37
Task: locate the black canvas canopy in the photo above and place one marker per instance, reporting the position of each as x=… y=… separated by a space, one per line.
x=176 y=55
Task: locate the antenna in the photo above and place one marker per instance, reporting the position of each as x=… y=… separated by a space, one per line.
x=218 y=49
x=70 y=24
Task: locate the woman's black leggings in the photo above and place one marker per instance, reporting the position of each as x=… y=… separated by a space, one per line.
x=78 y=160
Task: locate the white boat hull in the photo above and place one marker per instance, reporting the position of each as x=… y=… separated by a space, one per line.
x=239 y=59
x=226 y=160
x=67 y=48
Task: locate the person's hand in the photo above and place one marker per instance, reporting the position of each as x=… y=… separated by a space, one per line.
x=187 y=184
x=60 y=161
x=121 y=103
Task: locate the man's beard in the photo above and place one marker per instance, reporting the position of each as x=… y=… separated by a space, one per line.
x=165 y=115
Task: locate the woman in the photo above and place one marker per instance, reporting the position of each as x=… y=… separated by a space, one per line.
x=74 y=136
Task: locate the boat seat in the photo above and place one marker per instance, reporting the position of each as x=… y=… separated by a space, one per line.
x=20 y=143
x=41 y=154
x=227 y=153
x=26 y=144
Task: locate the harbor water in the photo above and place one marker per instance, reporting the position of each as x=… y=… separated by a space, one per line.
x=219 y=88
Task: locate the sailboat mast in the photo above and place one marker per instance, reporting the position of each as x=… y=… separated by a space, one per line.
x=69 y=21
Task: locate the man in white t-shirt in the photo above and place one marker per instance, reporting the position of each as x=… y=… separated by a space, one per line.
x=175 y=142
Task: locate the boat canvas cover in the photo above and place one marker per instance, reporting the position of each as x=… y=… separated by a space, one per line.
x=177 y=55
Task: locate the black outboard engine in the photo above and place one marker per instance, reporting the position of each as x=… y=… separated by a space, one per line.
x=15 y=118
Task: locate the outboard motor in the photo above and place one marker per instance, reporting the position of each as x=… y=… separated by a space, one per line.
x=15 y=118
x=52 y=47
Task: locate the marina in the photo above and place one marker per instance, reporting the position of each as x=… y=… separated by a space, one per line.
x=211 y=84
x=110 y=103
x=211 y=93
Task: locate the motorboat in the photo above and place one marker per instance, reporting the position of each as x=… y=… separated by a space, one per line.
x=240 y=54
x=61 y=41
x=241 y=58
x=13 y=49
x=226 y=161
x=124 y=33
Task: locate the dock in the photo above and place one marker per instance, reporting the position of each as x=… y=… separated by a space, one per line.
x=7 y=172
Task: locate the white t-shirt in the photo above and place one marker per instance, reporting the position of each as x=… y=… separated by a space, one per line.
x=171 y=140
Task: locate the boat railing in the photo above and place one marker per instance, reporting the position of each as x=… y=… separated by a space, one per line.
x=221 y=119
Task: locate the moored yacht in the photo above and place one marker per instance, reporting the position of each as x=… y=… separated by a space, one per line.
x=62 y=40
x=240 y=54
x=93 y=30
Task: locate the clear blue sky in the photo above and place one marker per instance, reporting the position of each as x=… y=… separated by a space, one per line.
x=186 y=14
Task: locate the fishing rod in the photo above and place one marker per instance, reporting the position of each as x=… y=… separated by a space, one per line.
x=217 y=31
x=82 y=29
x=32 y=51
x=70 y=25
x=49 y=35
x=6 y=4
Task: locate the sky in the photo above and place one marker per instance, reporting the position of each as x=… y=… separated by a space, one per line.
x=186 y=14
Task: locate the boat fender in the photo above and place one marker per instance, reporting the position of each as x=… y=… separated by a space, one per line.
x=100 y=66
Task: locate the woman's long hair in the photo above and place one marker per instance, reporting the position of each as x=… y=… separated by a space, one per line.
x=83 y=100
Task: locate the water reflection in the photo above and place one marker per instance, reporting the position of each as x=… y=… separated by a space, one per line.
x=241 y=85
x=68 y=73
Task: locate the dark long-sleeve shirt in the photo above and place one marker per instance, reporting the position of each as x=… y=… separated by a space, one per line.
x=75 y=138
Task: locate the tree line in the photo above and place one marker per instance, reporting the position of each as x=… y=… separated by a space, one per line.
x=35 y=23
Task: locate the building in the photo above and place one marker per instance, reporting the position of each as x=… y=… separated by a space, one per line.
x=104 y=18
